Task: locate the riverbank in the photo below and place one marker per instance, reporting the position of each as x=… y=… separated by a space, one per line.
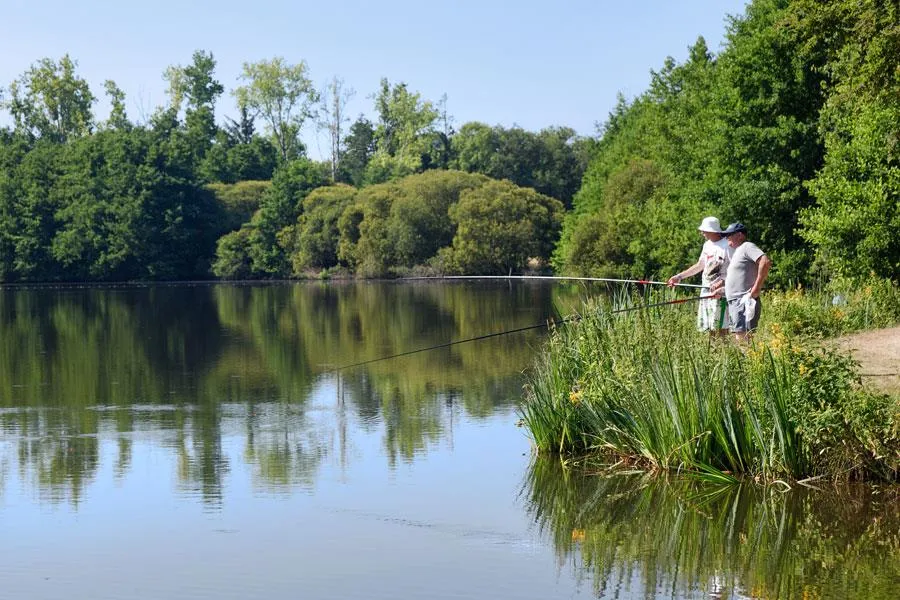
x=646 y=389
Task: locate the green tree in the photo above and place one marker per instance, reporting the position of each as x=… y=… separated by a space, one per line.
x=238 y=154
x=611 y=240
x=359 y=146
x=233 y=256
x=403 y=133
x=118 y=117
x=238 y=201
x=500 y=227
x=769 y=97
x=196 y=87
x=392 y=227
x=27 y=209
x=128 y=208
x=283 y=96
x=854 y=221
x=365 y=241
x=552 y=161
x=280 y=207
x=419 y=224
x=50 y=101
x=316 y=233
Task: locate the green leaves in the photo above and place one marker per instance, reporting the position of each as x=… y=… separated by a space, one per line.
x=283 y=95
x=500 y=226
x=50 y=101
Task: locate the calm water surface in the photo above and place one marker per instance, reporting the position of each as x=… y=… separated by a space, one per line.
x=196 y=442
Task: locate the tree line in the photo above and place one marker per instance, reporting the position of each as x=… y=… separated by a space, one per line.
x=791 y=128
x=182 y=196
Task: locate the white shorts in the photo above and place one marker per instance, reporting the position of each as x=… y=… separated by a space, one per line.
x=713 y=314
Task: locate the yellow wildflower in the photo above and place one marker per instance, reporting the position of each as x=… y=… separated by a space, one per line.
x=575 y=397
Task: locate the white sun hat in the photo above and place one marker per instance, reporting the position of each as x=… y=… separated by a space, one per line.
x=710 y=225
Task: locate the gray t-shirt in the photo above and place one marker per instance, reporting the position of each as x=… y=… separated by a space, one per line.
x=742 y=270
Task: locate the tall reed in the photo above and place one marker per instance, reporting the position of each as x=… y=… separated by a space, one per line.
x=646 y=388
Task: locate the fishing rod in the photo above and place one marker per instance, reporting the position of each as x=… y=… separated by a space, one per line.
x=549 y=323
x=605 y=279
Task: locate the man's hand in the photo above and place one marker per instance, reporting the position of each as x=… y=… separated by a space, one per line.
x=673 y=280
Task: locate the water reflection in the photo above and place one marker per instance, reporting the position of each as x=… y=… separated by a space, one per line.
x=635 y=536
x=188 y=367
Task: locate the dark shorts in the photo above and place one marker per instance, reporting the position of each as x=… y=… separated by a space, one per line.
x=739 y=323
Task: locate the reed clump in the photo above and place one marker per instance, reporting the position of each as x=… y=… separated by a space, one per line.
x=645 y=388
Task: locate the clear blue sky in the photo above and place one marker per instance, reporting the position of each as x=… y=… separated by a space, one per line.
x=527 y=62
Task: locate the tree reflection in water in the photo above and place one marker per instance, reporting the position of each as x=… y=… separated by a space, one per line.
x=635 y=535
x=189 y=367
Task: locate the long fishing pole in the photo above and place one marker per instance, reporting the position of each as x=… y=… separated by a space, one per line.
x=551 y=277
x=520 y=329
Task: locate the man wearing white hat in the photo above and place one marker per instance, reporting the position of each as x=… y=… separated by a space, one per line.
x=712 y=315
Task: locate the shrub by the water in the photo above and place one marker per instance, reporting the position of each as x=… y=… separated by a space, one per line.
x=645 y=387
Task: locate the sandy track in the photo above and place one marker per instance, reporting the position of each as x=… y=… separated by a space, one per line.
x=878 y=352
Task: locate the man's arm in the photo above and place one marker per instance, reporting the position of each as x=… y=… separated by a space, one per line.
x=692 y=270
x=764 y=263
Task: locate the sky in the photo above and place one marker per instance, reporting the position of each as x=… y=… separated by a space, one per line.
x=529 y=63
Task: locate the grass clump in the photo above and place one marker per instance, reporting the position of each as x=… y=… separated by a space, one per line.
x=644 y=387
x=843 y=306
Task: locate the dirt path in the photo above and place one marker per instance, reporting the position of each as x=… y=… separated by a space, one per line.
x=878 y=352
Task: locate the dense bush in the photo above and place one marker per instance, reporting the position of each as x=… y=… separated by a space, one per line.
x=499 y=227
x=644 y=387
x=238 y=200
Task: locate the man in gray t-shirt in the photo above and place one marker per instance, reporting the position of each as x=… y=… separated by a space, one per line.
x=744 y=280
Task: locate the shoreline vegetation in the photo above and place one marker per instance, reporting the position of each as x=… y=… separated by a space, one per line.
x=645 y=389
x=688 y=539
x=791 y=128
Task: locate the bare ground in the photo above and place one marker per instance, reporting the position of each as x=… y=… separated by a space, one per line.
x=878 y=352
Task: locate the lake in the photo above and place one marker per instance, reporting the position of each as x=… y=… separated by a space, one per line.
x=244 y=441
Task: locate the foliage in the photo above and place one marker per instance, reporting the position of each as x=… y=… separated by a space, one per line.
x=403 y=223
x=651 y=180
x=50 y=101
x=612 y=239
x=791 y=129
x=853 y=224
x=238 y=200
x=359 y=146
x=551 y=161
x=643 y=387
x=690 y=538
x=844 y=306
x=402 y=133
x=279 y=208
x=315 y=246
x=229 y=160
x=233 y=259
x=284 y=96
x=499 y=227
x=196 y=85
x=111 y=206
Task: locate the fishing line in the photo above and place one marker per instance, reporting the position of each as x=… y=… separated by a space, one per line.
x=549 y=323
x=550 y=277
